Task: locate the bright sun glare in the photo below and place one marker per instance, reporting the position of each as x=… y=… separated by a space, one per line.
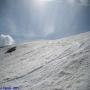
x=41 y=3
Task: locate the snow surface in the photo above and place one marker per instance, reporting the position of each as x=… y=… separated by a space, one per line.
x=48 y=64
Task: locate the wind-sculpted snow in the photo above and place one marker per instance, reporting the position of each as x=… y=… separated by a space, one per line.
x=47 y=65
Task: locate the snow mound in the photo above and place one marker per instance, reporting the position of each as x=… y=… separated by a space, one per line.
x=6 y=40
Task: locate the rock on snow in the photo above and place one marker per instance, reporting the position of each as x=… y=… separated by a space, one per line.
x=47 y=64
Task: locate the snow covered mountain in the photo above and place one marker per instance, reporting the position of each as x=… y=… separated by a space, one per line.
x=47 y=64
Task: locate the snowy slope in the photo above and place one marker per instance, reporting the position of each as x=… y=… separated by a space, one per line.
x=48 y=65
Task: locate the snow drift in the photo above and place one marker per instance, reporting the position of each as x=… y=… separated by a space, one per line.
x=48 y=65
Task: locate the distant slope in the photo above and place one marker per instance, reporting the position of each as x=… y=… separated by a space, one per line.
x=47 y=65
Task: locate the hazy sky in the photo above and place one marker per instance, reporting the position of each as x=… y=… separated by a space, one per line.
x=27 y=20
